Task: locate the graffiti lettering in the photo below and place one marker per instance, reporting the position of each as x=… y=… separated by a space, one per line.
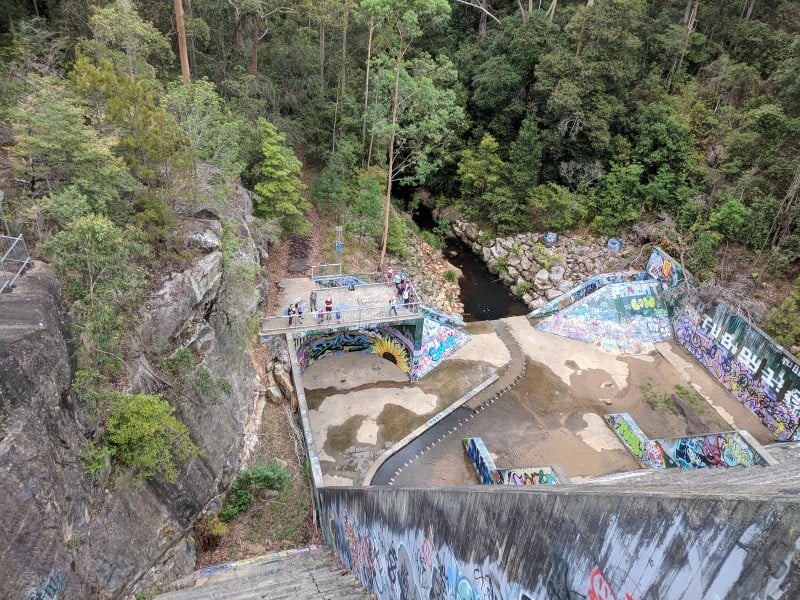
x=55 y=583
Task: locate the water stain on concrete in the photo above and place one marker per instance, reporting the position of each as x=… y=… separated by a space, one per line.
x=341 y=437
x=395 y=422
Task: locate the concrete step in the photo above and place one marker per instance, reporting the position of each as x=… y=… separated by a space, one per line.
x=306 y=573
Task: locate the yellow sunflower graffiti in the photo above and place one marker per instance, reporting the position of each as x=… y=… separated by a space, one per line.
x=392 y=351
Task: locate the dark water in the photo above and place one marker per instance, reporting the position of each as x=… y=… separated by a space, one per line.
x=485 y=297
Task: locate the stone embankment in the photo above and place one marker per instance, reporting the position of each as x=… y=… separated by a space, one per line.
x=538 y=272
x=429 y=271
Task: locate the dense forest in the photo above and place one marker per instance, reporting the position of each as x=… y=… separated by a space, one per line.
x=679 y=118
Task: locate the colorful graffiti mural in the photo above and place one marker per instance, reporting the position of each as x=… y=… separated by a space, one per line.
x=391 y=343
x=625 y=317
x=411 y=565
x=726 y=449
x=757 y=371
x=662 y=267
x=525 y=476
x=588 y=287
x=644 y=450
x=439 y=340
x=339 y=281
x=481 y=459
x=489 y=474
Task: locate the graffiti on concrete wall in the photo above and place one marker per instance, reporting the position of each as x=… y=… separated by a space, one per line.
x=390 y=345
x=526 y=476
x=764 y=377
x=481 y=459
x=410 y=565
x=588 y=287
x=643 y=449
x=726 y=449
x=662 y=266
x=627 y=316
x=439 y=340
x=489 y=474
x=55 y=583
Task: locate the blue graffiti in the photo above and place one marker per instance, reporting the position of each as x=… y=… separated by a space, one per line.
x=349 y=341
x=442 y=348
x=55 y=583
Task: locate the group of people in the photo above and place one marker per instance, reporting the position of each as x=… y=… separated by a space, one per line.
x=298 y=308
x=404 y=295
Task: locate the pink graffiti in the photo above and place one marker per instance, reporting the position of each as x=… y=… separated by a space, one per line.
x=600 y=589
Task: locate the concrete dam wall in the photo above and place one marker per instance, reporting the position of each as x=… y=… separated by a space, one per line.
x=571 y=542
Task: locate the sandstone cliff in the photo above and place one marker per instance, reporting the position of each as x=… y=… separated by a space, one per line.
x=67 y=536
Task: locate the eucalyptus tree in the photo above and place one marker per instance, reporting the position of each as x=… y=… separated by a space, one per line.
x=413 y=112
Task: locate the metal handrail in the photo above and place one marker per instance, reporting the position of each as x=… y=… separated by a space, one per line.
x=336 y=317
x=325 y=270
x=14 y=260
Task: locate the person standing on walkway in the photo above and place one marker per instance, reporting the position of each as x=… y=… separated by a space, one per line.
x=405 y=296
x=328 y=307
x=392 y=307
x=292 y=311
x=389 y=277
x=312 y=300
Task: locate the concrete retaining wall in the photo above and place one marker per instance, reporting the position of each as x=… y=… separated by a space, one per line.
x=564 y=542
x=755 y=368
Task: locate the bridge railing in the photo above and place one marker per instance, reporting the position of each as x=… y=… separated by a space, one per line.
x=360 y=315
x=327 y=270
x=14 y=258
x=349 y=279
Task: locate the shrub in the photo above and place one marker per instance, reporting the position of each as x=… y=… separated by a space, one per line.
x=501 y=264
x=271 y=476
x=145 y=435
x=95 y=459
x=522 y=288
x=783 y=323
x=450 y=276
x=208 y=532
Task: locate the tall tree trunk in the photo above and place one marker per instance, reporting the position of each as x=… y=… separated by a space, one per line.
x=322 y=60
x=551 y=11
x=254 y=49
x=185 y=73
x=388 y=205
x=786 y=217
x=190 y=42
x=747 y=11
x=690 y=25
x=482 y=22
x=366 y=88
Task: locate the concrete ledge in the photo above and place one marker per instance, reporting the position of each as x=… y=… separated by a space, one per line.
x=399 y=445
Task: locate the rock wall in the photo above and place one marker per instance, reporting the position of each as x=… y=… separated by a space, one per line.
x=68 y=537
x=537 y=272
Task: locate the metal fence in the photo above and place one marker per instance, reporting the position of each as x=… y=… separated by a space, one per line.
x=329 y=270
x=349 y=316
x=14 y=259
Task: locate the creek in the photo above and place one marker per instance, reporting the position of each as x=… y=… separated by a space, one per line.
x=484 y=295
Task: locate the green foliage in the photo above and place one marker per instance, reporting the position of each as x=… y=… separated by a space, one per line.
x=732 y=219
x=618 y=199
x=55 y=150
x=658 y=402
x=271 y=476
x=501 y=265
x=480 y=170
x=95 y=258
x=209 y=531
x=278 y=192
x=95 y=460
x=147 y=136
x=366 y=206
x=554 y=208
x=397 y=242
x=783 y=322
x=450 y=276
x=698 y=404
x=521 y=288
x=701 y=256
x=144 y=434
